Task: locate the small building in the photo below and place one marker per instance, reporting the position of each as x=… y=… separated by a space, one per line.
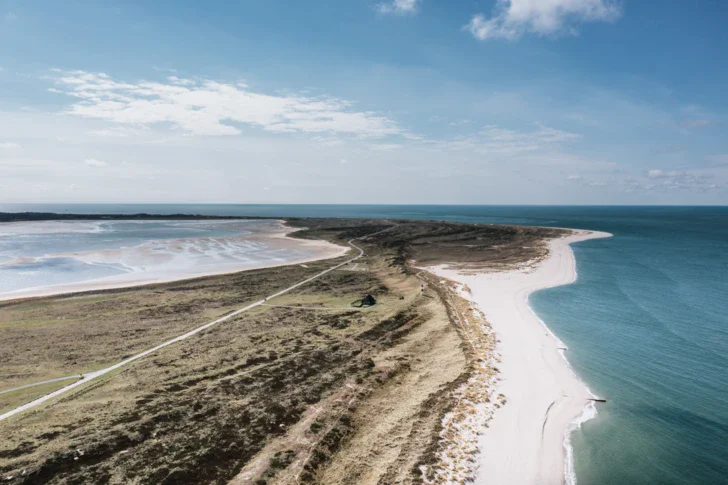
x=366 y=301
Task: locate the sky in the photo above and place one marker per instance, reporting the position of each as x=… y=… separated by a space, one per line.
x=364 y=101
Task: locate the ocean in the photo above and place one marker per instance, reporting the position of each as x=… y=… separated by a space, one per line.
x=646 y=324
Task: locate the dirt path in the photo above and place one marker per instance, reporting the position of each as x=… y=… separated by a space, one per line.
x=34 y=384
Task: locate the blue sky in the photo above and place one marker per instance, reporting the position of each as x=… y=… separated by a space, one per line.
x=397 y=101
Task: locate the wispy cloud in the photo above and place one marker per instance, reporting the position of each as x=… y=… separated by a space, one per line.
x=677 y=179
x=459 y=122
x=9 y=145
x=512 y=19
x=215 y=108
x=694 y=116
x=400 y=7
x=495 y=140
x=656 y=173
x=163 y=69
x=121 y=133
x=92 y=162
x=699 y=123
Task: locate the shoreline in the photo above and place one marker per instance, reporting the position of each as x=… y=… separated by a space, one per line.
x=321 y=250
x=528 y=439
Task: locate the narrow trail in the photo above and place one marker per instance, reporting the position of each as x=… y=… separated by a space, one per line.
x=49 y=381
x=320 y=308
x=99 y=373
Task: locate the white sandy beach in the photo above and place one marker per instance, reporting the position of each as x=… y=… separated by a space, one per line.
x=210 y=256
x=526 y=441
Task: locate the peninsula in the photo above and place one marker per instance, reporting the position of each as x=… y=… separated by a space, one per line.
x=271 y=375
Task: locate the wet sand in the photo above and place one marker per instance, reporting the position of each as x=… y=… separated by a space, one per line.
x=170 y=260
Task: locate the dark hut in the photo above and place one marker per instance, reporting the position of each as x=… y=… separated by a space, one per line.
x=366 y=301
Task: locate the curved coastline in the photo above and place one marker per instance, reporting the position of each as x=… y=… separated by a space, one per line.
x=528 y=440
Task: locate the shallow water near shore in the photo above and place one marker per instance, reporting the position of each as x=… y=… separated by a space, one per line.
x=39 y=256
x=646 y=324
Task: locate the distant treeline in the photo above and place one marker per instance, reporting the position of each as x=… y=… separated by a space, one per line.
x=50 y=216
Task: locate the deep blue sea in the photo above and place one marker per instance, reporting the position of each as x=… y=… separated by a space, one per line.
x=646 y=324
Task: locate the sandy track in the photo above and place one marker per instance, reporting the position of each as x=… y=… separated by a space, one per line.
x=34 y=384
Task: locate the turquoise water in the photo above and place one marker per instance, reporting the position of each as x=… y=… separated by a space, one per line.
x=647 y=328
x=646 y=324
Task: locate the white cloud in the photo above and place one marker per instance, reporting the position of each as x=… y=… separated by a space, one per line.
x=401 y=7
x=9 y=145
x=185 y=82
x=92 y=162
x=10 y=17
x=213 y=108
x=657 y=173
x=343 y=161
x=574 y=177
x=74 y=187
x=514 y=18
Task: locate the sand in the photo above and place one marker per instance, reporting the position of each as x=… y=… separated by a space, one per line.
x=527 y=440
x=162 y=267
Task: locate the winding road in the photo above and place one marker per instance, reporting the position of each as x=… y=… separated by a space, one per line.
x=99 y=373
